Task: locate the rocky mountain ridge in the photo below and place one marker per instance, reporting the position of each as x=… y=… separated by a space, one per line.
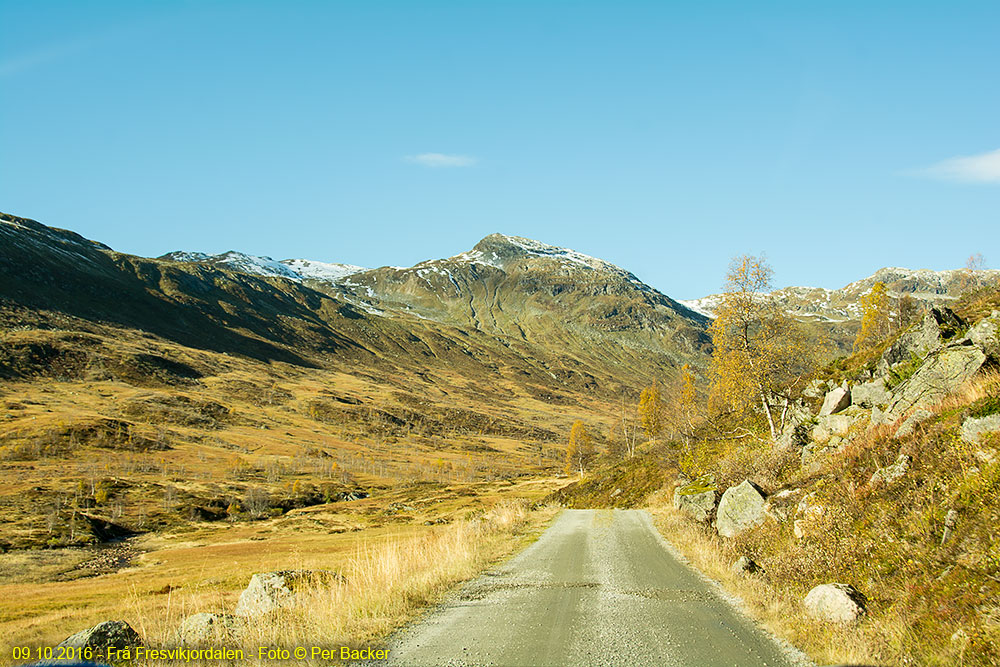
x=503 y=307
x=509 y=286
x=926 y=287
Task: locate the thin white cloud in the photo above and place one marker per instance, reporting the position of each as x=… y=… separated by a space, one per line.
x=983 y=168
x=442 y=160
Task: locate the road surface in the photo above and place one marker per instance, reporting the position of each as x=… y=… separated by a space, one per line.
x=597 y=588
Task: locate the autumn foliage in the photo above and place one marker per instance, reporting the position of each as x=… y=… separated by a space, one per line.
x=580 y=451
x=761 y=354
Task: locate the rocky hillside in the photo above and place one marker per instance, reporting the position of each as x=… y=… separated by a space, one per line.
x=874 y=518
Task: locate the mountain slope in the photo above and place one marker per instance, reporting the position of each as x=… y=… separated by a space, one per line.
x=511 y=309
x=524 y=290
x=521 y=294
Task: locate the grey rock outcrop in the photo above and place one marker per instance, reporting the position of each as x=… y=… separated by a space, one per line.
x=741 y=507
x=270 y=591
x=941 y=374
x=910 y=424
x=974 y=429
x=890 y=474
x=829 y=436
x=836 y=400
x=117 y=634
x=816 y=388
x=696 y=499
x=870 y=394
x=986 y=335
x=839 y=603
x=207 y=629
x=795 y=432
x=938 y=325
x=829 y=426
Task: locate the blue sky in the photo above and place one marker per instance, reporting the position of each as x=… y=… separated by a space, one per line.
x=663 y=136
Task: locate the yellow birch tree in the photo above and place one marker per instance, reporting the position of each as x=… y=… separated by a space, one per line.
x=875 y=320
x=760 y=354
x=651 y=410
x=580 y=451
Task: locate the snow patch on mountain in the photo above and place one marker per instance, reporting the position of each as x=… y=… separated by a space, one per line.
x=329 y=272
x=705 y=306
x=479 y=257
x=498 y=250
x=292 y=269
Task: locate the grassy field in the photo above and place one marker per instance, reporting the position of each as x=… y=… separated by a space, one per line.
x=397 y=554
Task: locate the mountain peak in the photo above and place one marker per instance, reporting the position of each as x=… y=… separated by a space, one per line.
x=498 y=249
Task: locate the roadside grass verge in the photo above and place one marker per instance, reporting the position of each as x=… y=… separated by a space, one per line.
x=766 y=603
x=385 y=585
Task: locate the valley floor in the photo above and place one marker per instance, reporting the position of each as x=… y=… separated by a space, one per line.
x=398 y=552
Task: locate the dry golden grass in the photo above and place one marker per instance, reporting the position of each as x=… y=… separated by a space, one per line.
x=868 y=642
x=984 y=385
x=390 y=573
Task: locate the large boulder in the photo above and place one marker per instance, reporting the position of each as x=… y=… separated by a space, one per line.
x=941 y=374
x=836 y=400
x=839 y=603
x=975 y=428
x=829 y=426
x=117 y=634
x=696 y=499
x=870 y=394
x=986 y=335
x=270 y=591
x=740 y=508
x=208 y=629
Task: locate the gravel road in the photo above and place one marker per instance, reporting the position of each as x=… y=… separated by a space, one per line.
x=597 y=588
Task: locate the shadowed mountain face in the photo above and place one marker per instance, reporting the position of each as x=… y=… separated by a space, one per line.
x=511 y=308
